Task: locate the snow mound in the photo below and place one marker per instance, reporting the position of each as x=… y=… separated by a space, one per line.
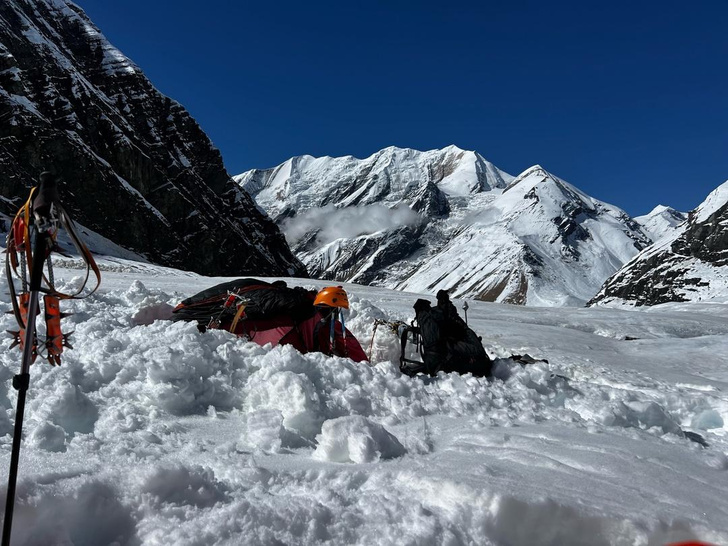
x=707 y=420
x=265 y=431
x=160 y=434
x=356 y=439
x=183 y=486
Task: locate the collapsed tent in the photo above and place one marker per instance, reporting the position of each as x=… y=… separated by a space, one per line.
x=276 y=314
x=442 y=341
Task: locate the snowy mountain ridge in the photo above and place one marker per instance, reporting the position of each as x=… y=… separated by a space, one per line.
x=472 y=228
x=387 y=177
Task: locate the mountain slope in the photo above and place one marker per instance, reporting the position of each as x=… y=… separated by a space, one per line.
x=136 y=168
x=446 y=219
x=689 y=265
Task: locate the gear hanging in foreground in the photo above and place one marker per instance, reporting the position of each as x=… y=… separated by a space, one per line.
x=32 y=239
x=42 y=216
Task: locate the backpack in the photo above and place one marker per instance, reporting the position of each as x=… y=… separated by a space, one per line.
x=443 y=342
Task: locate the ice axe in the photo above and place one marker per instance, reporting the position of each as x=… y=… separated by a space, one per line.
x=465 y=310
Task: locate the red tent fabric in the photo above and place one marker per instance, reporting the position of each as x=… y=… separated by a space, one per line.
x=309 y=335
x=271 y=313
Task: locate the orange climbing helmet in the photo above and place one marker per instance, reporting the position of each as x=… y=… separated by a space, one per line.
x=332 y=296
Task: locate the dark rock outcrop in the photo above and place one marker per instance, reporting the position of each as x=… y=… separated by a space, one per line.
x=134 y=166
x=690 y=265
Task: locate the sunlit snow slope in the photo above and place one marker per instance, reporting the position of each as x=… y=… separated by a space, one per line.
x=446 y=219
x=661 y=221
x=157 y=434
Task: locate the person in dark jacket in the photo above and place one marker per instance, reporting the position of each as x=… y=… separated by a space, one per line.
x=448 y=345
x=455 y=327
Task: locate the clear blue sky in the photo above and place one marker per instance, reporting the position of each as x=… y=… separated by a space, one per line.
x=626 y=100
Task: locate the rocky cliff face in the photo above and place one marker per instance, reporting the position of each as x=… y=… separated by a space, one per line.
x=135 y=167
x=689 y=265
x=446 y=219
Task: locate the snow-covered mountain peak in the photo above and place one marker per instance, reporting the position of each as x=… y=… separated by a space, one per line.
x=392 y=176
x=661 y=221
x=533 y=170
x=529 y=179
x=538 y=189
x=659 y=209
x=477 y=231
x=716 y=200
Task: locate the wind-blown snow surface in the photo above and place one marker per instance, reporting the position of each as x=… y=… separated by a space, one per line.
x=156 y=434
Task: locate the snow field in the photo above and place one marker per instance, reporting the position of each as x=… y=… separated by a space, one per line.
x=152 y=433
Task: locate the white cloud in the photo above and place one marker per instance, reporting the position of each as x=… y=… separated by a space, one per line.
x=332 y=223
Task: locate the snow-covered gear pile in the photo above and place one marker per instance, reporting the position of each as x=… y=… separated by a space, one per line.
x=277 y=314
x=443 y=341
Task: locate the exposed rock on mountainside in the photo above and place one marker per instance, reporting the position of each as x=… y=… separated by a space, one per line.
x=446 y=219
x=690 y=265
x=135 y=167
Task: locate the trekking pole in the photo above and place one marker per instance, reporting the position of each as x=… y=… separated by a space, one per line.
x=465 y=310
x=377 y=322
x=43 y=223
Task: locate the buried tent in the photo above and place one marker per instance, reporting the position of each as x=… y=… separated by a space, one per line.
x=276 y=314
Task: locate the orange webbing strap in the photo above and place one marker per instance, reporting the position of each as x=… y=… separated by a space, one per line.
x=19 y=241
x=25 y=212
x=20 y=233
x=238 y=314
x=11 y=288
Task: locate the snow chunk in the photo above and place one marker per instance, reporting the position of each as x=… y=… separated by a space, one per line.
x=48 y=437
x=707 y=419
x=356 y=439
x=184 y=486
x=646 y=415
x=147 y=315
x=266 y=431
x=70 y=410
x=294 y=395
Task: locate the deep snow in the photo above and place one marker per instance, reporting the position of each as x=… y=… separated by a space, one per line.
x=152 y=433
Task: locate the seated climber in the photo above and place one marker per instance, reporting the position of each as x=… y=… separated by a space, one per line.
x=447 y=343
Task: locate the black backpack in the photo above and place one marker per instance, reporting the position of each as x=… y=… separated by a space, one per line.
x=441 y=341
